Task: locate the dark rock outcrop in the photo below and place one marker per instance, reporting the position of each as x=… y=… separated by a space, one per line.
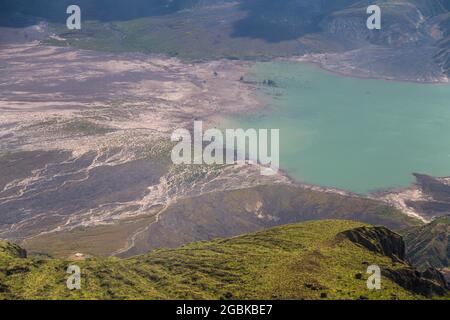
x=385 y=242
x=428 y=283
x=377 y=239
x=443 y=54
x=437 y=202
x=429 y=245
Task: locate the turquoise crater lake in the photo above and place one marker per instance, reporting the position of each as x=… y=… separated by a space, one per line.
x=354 y=134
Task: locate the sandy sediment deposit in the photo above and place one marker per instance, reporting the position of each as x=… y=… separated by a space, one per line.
x=136 y=91
x=84 y=140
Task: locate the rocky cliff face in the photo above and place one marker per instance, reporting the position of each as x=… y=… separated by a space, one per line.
x=380 y=240
x=383 y=241
x=402 y=24
x=436 y=199
x=429 y=245
x=428 y=283
x=443 y=54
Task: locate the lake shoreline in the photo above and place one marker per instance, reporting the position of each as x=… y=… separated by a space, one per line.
x=347 y=71
x=396 y=196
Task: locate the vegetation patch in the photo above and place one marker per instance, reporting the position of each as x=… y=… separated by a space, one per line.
x=300 y=261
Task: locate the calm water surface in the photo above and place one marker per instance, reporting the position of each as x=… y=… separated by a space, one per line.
x=354 y=134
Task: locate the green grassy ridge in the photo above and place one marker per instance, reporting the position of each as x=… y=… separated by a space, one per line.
x=11 y=250
x=299 y=261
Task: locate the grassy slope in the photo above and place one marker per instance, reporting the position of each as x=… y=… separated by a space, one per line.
x=290 y=262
